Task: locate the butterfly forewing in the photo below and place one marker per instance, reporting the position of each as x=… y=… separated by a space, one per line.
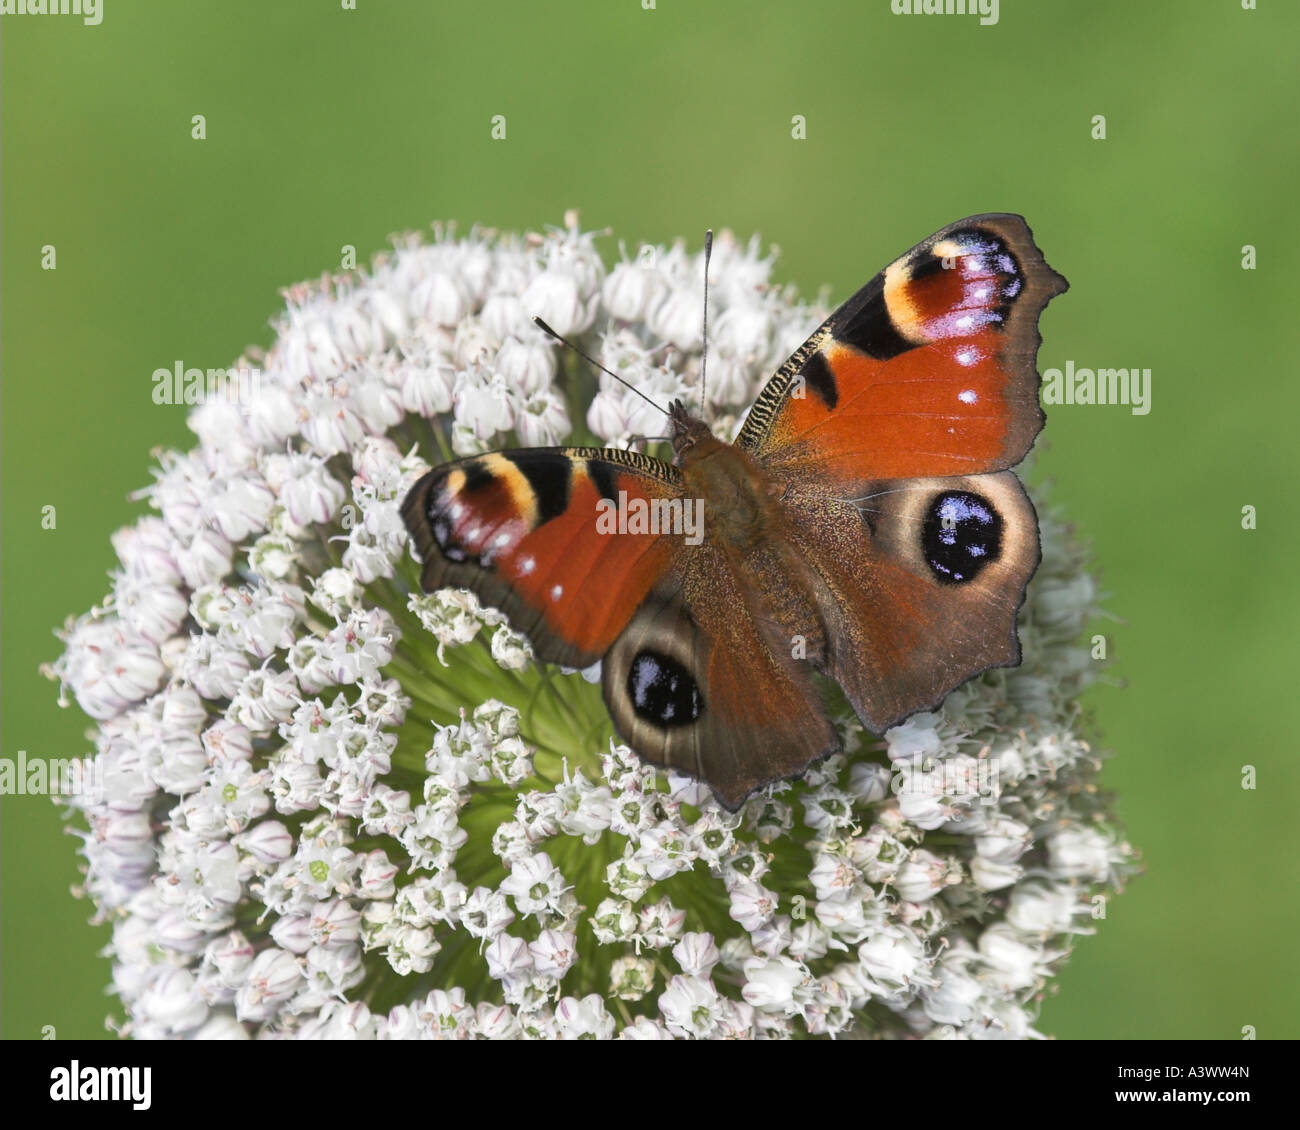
x=928 y=370
x=536 y=534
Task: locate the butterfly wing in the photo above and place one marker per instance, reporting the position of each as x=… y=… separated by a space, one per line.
x=526 y=531
x=928 y=370
x=917 y=584
x=890 y=430
x=702 y=682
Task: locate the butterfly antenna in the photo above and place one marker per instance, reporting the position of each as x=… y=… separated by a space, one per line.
x=592 y=361
x=704 y=333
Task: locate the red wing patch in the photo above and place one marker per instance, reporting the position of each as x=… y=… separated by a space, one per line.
x=539 y=534
x=941 y=409
x=929 y=370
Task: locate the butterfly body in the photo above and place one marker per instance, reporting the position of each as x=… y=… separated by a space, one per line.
x=738 y=497
x=863 y=526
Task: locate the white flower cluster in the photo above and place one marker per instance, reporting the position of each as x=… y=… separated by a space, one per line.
x=332 y=808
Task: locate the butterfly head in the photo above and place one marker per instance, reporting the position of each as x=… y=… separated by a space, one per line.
x=687 y=431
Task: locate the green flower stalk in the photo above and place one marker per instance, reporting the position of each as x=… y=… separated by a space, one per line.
x=335 y=806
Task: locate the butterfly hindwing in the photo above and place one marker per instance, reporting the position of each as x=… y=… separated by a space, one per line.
x=918 y=584
x=529 y=533
x=701 y=683
x=930 y=369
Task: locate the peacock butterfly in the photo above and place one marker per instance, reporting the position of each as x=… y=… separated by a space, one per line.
x=864 y=525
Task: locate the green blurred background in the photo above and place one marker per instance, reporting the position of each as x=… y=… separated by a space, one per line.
x=328 y=127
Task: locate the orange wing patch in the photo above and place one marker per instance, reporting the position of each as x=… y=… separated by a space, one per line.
x=940 y=409
x=587 y=582
x=523 y=529
x=930 y=369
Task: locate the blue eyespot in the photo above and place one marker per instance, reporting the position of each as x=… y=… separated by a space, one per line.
x=962 y=533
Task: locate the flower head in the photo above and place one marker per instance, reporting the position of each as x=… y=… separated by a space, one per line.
x=333 y=805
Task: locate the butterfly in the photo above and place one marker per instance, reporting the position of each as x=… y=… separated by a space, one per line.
x=864 y=525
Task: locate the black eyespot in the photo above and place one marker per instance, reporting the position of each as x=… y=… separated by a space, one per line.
x=663 y=691
x=962 y=533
